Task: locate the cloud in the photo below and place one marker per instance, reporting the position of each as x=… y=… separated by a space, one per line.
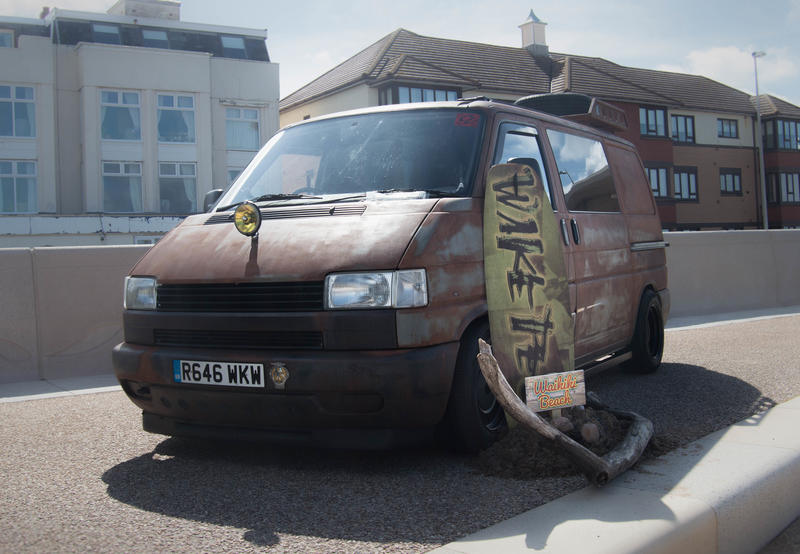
x=733 y=66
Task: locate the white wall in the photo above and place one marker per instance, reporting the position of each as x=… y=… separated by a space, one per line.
x=727 y=271
x=359 y=96
x=705 y=128
x=31 y=64
x=68 y=148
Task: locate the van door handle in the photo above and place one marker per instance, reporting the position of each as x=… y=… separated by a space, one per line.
x=564 y=231
x=575 y=233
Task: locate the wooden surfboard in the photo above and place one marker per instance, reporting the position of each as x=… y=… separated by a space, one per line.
x=531 y=326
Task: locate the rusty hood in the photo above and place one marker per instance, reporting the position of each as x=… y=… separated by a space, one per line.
x=295 y=243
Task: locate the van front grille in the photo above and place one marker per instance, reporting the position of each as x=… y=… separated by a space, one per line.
x=238 y=339
x=242 y=297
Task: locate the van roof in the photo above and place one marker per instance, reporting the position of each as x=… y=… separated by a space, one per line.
x=480 y=103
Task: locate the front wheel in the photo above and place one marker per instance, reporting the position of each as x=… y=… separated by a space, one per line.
x=474 y=419
x=647 y=345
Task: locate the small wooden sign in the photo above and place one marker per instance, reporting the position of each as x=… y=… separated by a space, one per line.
x=555 y=391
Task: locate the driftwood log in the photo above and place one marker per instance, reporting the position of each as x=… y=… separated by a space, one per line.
x=598 y=469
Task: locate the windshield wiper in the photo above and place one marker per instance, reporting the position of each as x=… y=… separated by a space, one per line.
x=268 y=197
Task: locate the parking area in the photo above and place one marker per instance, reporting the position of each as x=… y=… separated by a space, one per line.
x=81 y=475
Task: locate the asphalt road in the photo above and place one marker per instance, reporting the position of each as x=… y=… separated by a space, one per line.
x=80 y=475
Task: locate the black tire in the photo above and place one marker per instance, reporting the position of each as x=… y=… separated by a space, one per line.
x=474 y=419
x=647 y=345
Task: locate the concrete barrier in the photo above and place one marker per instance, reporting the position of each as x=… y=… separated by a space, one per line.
x=62 y=307
x=61 y=310
x=728 y=271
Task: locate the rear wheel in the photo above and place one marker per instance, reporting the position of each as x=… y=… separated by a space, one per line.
x=474 y=419
x=647 y=345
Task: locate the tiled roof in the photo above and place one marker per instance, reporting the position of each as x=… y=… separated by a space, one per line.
x=407 y=57
x=346 y=73
x=466 y=64
x=772 y=106
x=599 y=77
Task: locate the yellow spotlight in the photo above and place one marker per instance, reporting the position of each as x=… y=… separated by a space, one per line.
x=247 y=219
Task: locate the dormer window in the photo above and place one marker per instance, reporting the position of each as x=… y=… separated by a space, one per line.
x=105 y=33
x=233 y=47
x=154 y=38
x=6 y=39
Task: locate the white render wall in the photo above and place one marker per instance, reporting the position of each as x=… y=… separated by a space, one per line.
x=359 y=96
x=32 y=65
x=705 y=128
x=68 y=148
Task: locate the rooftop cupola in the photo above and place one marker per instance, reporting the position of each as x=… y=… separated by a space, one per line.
x=533 y=35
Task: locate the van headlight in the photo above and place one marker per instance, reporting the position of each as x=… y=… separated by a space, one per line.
x=384 y=289
x=140 y=293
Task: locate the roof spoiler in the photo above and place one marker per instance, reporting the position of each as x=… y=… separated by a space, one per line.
x=580 y=108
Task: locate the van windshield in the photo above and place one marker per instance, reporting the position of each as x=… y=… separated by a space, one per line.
x=432 y=150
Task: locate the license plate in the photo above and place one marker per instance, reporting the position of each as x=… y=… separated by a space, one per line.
x=232 y=374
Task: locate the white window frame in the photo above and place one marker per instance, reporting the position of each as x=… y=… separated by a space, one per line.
x=126 y=169
x=175 y=101
x=122 y=104
x=14 y=175
x=14 y=102
x=180 y=170
x=242 y=119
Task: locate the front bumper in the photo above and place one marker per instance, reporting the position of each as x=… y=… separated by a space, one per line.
x=327 y=393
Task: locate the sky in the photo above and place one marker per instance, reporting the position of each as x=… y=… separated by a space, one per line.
x=713 y=38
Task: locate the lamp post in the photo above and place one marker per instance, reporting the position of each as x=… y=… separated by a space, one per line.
x=760 y=139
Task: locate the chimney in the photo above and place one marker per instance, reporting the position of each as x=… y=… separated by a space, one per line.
x=154 y=9
x=533 y=36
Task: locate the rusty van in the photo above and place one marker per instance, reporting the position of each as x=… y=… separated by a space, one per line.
x=335 y=292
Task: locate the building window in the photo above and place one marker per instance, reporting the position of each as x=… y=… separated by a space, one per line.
x=175 y=118
x=658 y=181
x=17 y=112
x=405 y=95
x=682 y=128
x=233 y=174
x=17 y=186
x=784 y=188
x=105 y=33
x=119 y=115
x=154 y=38
x=233 y=47
x=787 y=134
x=6 y=39
x=727 y=128
x=730 y=181
x=685 y=180
x=652 y=122
x=241 y=129
x=122 y=187
x=177 y=184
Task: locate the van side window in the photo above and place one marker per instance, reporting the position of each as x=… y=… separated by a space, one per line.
x=520 y=144
x=584 y=173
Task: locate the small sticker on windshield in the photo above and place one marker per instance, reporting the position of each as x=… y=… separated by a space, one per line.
x=467 y=119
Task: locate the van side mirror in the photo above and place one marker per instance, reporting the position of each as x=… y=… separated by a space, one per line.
x=211 y=198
